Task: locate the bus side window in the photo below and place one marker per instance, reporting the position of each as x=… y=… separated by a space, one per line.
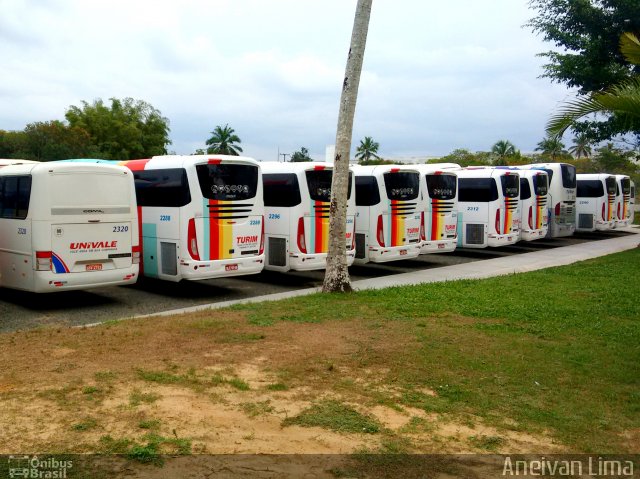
x=15 y=192
x=367 y=193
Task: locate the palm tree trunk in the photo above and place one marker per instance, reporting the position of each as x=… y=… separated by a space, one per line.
x=337 y=275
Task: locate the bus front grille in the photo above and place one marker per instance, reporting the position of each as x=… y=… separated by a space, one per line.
x=475 y=233
x=360 y=245
x=585 y=221
x=168 y=259
x=277 y=251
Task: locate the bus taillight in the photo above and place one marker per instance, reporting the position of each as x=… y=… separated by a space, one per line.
x=498 y=221
x=353 y=235
x=43 y=260
x=530 y=217
x=135 y=255
x=619 y=217
x=422 y=233
x=603 y=213
x=192 y=240
x=380 y=232
x=262 y=238
x=557 y=210
x=302 y=243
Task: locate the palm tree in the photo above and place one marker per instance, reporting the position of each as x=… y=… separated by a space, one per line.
x=367 y=150
x=223 y=141
x=551 y=147
x=622 y=100
x=502 y=149
x=336 y=278
x=581 y=146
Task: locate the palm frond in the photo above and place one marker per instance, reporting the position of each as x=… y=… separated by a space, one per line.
x=630 y=47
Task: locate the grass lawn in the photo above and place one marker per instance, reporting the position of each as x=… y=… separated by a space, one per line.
x=541 y=362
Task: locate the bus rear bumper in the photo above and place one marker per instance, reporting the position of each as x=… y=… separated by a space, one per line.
x=494 y=241
x=532 y=235
x=396 y=253
x=199 y=270
x=49 y=282
x=312 y=262
x=562 y=229
x=442 y=246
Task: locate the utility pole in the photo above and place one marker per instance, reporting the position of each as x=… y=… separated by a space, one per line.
x=284 y=156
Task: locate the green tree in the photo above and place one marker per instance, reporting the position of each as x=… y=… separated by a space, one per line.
x=224 y=141
x=551 y=147
x=581 y=146
x=621 y=100
x=53 y=140
x=124 y=129
x=13 y=144
x=586 y=34
x=367 y=150
x=503 y=149
x=300 y=155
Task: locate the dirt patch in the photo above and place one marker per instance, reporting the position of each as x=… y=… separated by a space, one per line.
x=221 y=383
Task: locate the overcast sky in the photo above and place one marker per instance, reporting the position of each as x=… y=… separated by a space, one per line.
x=437 y=75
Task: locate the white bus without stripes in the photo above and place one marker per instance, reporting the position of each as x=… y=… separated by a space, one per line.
x=67 y=226
x=595 y=202
x=623 y=211
x=488 y=207
x=297 y=198
x=534 y=190
x=201 y=216
x=440 y=190
x=562 y=197
x=389 y=213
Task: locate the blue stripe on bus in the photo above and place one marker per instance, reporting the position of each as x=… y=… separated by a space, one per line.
x=150 y=249
x=459 y=230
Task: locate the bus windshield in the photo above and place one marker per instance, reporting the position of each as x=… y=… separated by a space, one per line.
x=611 y=185
x=281 y=189
x=591 y=189
x=568 y=176
x=626 y=186
x=319 y=184
x=442 y=187
x=481 y=190
x=227 y=181
x=510 y=186
x=540 y=185
x=402 y=185
x=367 y=193
x=165 y=187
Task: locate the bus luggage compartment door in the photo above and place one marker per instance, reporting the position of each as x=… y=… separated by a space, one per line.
x=82 y=247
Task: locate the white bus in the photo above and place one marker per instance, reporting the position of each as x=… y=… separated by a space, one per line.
x=534 y=189
x=488 y=207
x=562 y=197
x=296 y=199
x=9 y=161
x=623 y=211
x=439 y=186
x=389 y=206
x=201 y=216
x=67 y=226
x=595 y=200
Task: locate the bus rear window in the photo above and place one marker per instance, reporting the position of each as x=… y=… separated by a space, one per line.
x=15 y=192
x=510 y=186
x=228 y=181
x=402 y=185
x=525 y=189
x=477 y=190
x=540 y=185
x=367 y=192
x=626 y=186
x=568 y=176
x=611 y=185
x=319 y=184
x=442 y=187
x=167 y=187
x=281 y=189
x=590 y=189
